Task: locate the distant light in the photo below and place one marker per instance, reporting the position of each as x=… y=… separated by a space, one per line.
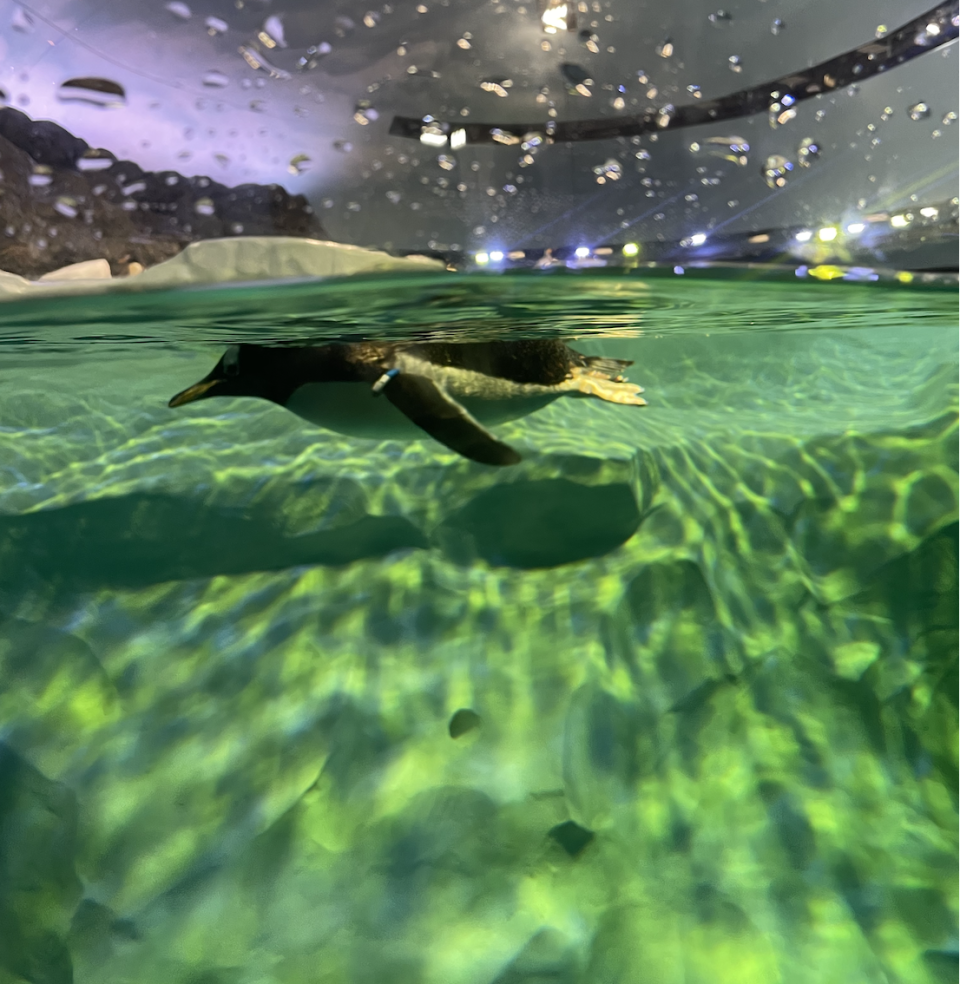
x=827 y=234
x=933 y=28
x=582 y=252
x=929 y=212
x=698 y=239
x=631 y=249
x=458 y=139
x=482 y=258
x=804 y=236
x=496 y=256
x=900 y=221
x=762 y=237
x=554 y=18
x=855 y=228
x=516 y=254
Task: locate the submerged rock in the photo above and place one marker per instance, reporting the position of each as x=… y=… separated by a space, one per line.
x=64 y=202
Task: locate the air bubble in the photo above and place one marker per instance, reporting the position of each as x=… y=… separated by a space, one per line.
x=447 y=162
x=178 y=9
x=918 y=111
x=776 y=170
x=949 y=118
x=733 y=63
x=299 y=163
x=777 y=26
x=204 y=206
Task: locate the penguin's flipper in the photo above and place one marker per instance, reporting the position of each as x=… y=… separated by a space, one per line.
x=431 y=409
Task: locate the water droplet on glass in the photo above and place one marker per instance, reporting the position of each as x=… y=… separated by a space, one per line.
x=22 y=21
x=365 y=113
x=665 y=48
x=216 y=26
x=935 y=134
x=781 y=114
x=447 y=162
x=257 y=61
x=371 y=18
x=733 y=62
x=609 y=170
x=344 y=146
x=694 y=90
x=777 y=26
x=178 y=9
x=590 y=41
x=618 y=103
x=720 y=19
x=95 y=160
x=353 y=206
x=882 y=31
x=299 y=163
x=394 y=196
x=918 y=111
x=949 y=118
x=887 y=113
x=215 y=80
x=808 y=152
x=66 y=206
x=204 y=206
x=642 y=155
x=776 y=169
x=465 y=44
x=271 y=34
x=222 y=160
x=733 y=149
x=665 y=115
x=499 y=88
x=97 y=92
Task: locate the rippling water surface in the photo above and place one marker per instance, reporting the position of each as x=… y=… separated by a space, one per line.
x=673 y=700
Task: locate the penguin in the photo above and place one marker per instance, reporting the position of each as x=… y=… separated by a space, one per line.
x=450 y=390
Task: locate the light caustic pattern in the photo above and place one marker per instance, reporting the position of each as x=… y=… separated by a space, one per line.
x=711 y=645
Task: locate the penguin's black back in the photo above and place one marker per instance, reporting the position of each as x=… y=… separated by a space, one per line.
x=539 y=361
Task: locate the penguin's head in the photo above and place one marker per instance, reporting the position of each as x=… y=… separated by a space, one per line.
x=236 y=374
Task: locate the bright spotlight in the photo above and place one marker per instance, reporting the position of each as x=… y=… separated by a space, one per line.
x=900 y=221
x=698 y=239
x=804 y=236
x=827 y=234
x=582 y=252
x=458 y=139
x=496 y=256
x=631 y=249
x=855 y=228
x=482 y=258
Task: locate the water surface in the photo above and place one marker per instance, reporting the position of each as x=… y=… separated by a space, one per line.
x=699 y=657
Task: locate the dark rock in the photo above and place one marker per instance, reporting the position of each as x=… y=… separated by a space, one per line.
x=54 y=212
x=571 y=837
x=463 y=721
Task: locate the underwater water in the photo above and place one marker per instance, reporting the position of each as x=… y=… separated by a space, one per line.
x=673 y=701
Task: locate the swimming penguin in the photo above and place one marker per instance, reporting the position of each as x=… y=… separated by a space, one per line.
x=445 y=389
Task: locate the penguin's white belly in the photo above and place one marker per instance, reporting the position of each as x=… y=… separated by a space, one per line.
x=351 y=408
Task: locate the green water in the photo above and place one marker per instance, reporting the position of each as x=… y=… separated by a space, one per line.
x=709 y=647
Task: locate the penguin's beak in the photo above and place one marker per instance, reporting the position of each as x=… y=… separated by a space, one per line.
x=196 y=392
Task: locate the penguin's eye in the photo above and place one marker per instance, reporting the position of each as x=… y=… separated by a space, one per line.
x=231 y=361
